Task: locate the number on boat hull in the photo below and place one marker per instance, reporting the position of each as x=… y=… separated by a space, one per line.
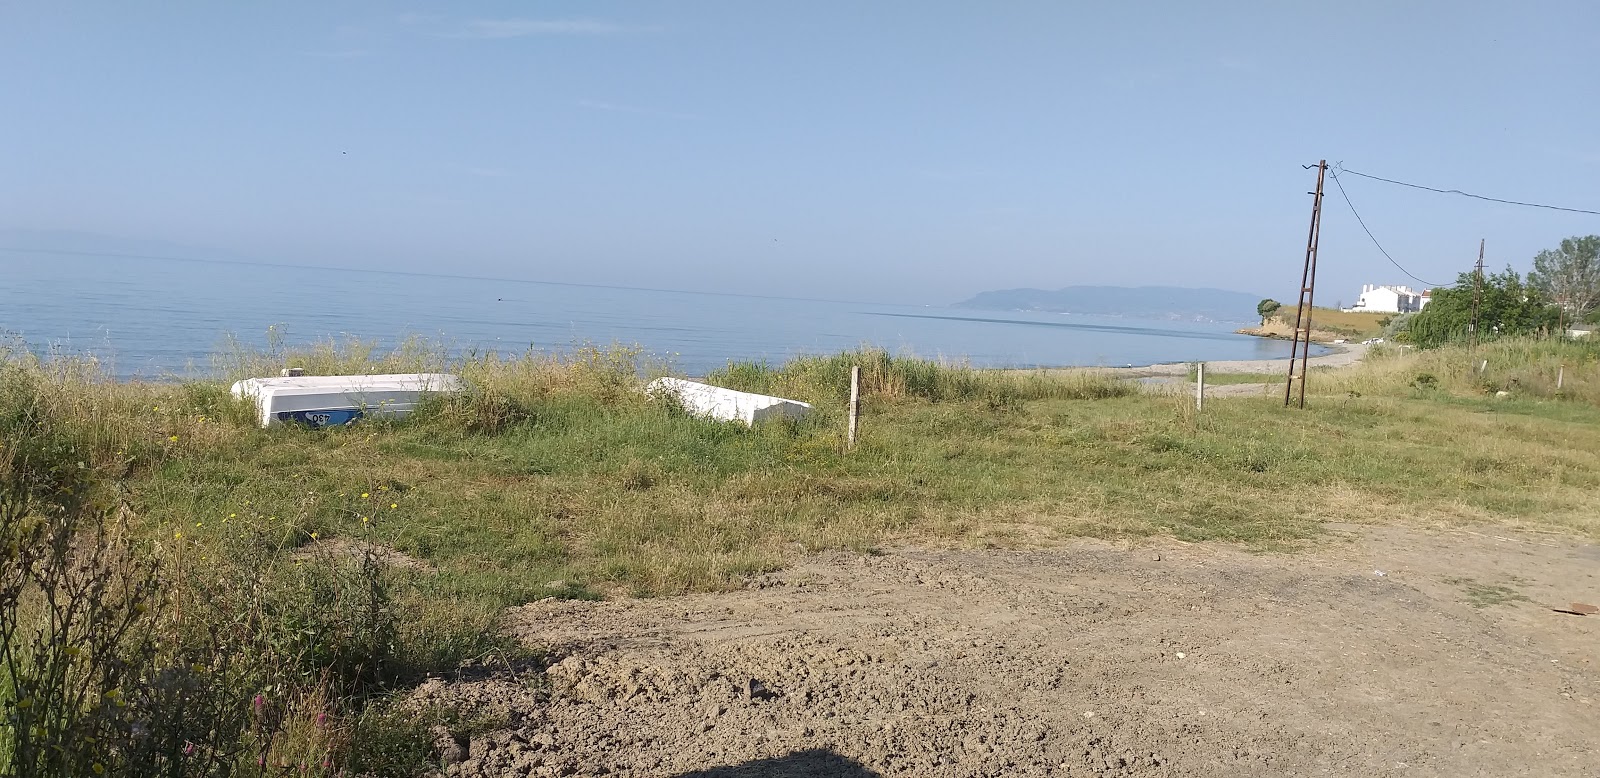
x=321 y=418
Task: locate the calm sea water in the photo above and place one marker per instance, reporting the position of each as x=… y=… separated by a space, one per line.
x=158 y=318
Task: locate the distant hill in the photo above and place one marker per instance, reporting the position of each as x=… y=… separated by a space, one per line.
x=1143 y=302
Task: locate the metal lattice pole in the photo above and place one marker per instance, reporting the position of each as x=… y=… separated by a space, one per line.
x=1301 y=344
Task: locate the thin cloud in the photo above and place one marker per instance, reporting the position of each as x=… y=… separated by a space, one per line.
x=500 y=29
x=601 y=105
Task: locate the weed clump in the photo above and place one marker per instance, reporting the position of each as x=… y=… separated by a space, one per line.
x=826 y=379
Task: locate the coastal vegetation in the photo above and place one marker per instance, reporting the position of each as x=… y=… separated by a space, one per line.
x=185 y=593
x=1328 y=324
x=1561 y=289
x=1569 y=276
x=1504 y=303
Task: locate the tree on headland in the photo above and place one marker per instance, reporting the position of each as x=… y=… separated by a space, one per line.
x=1267 y=308
x=1570 y=275
x=1508 y=306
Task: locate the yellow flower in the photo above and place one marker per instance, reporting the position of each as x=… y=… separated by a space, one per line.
x=383 y=488
x=313 y=536
x=177 y=536
x=173 y=438
x=364 y=519
x=231 y=515
x=363 y=495
x=155 y=407
x=199 y=524
x=394 y=505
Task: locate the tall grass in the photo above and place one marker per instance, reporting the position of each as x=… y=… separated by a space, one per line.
x=826 y=380
x=321 y=571
x=1523 y=368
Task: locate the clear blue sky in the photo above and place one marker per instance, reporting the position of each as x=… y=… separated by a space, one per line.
x=896 y=151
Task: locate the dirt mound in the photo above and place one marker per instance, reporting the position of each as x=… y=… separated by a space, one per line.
x=1379 y=656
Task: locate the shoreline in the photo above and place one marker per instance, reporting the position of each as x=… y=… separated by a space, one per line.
x=1341 y=355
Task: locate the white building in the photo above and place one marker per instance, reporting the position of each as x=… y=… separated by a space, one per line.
x=1391 y=299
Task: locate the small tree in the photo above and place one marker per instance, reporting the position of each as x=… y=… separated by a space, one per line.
x=1267 y=308
x=1570 y=275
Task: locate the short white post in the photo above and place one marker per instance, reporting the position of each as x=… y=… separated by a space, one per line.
x=1561 y=374
x=1199 y=385
x=855 y=404
x=1484 y=368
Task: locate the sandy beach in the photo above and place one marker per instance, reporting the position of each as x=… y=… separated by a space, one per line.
x=1343 y=355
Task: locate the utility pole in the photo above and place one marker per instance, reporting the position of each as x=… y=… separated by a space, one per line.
x=1477 y=300
x=1301 y=345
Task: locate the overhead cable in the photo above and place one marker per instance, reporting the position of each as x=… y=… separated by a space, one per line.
x=1374 y=238
x=1343 y=169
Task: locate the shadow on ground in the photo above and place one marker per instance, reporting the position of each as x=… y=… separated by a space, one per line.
x=800 y=764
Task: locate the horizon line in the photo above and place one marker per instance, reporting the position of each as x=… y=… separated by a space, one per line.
x=292 y=266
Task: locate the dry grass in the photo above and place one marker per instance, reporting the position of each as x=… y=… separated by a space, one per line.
x=555 y=467
x=1525 y=370
x=1355 y=324
x=554 y=476
x=1328 y=324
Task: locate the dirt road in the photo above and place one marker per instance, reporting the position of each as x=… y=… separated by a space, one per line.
x=1383 y=651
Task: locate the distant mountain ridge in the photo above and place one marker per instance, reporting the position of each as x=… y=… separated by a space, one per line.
x=1144 y=302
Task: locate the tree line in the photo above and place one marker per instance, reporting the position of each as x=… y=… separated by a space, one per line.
x=1562 y=288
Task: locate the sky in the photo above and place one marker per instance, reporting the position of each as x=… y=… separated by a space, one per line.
x=914 y=152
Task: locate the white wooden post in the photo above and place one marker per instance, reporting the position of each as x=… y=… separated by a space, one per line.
x=1483 y=368
x=1561 y=374
x=855 y=404
x=1199 y=385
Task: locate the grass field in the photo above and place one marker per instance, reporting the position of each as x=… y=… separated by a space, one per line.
x=1327 y=324
x=1356 y=325
x=553 y=476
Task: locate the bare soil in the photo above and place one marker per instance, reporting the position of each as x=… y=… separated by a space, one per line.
x=1379 y=651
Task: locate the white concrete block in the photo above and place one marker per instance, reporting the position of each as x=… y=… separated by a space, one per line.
x=327 y=401
x=714 y=402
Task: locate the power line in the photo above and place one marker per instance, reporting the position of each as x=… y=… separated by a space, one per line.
x=1374 y=238
x=1343 y=169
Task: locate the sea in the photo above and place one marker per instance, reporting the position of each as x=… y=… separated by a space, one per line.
x=164 y=319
